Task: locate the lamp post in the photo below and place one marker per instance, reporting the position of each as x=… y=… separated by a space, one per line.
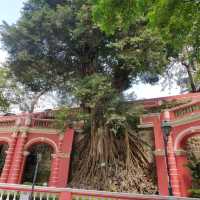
x=38 y=159
x=166 y=129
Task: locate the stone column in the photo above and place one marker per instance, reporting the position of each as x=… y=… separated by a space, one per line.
x=173 y=171
x=185 y=178
x=25 y=154
x=17 y=159
x=9 y=158
x=160 y=158
x=54 y=171
x=64 y=158
x=53 y=180
x=161 y=170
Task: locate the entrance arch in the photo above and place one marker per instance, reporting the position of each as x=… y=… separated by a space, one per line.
x=47 y=148
x=3 y=149
x=44 y=168
x=184 y=135
x=40 y=140
x=180 y=149
x=193 y=155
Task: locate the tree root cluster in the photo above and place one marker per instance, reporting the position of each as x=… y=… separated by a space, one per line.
x=104 y=161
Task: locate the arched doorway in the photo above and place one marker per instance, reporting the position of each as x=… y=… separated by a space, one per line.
x=3 y=149
x=193 y=156
x=44 y=169
x=185 y=145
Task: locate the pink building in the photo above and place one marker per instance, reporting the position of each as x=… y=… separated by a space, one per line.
x=20 y=133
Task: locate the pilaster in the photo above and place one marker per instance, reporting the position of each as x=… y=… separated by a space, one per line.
x=173 y=171
x=18 y=158
x=9 y=158
x=25 y=154
x=54 y=171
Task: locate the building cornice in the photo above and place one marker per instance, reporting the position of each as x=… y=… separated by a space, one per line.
x=186 y=120
x=29 y=130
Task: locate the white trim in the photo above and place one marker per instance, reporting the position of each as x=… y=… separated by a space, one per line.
x=185 y=133
x=81 y=192
x=5 y=139
x=41 y=140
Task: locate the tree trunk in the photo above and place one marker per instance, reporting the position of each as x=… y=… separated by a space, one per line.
x=191 y=78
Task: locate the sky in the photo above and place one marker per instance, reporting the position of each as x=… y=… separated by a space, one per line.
x=10 y=12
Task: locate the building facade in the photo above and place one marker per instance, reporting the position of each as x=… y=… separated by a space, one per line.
x=184 y=122
x=21 y=132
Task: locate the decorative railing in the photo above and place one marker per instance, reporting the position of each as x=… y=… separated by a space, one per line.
x=16 y=195
x=33 y=120
x=7 y=121
x=42 y=123
x=27 y=121
x=186 y=110
x=15 y=192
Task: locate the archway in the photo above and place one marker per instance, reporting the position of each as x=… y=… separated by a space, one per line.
x=3 y=149
x=182 y=149
x=193 y=155
x=44 y=168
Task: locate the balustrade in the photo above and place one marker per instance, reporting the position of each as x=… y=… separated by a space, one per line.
x=26 y=121
x=42 y=123
x=34 y=120
x=7 y=122
x=15 y=195
x=186 y=110
x=15 y=191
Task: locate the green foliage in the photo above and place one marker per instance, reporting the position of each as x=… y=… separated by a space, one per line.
x=54 y=44
x=175 y=20
x=103 y=104
x=195 y=193
x=4 y=103
x=178 y=23
x=14 y=92
x=194 y=166
x=143 y=52
x=33 y=47
x=49 y=45
x=140 y=50
x=112 y=15
x=93 y=88
x=63 y=118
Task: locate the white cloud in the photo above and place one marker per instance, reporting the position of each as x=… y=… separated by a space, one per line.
x=3 y=56
x=146 y=91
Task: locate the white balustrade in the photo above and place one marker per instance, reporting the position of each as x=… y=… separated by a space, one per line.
x=19 y=192
x=16 y=195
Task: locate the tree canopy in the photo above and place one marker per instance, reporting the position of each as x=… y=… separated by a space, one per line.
x=111 y=15
x=176 y=21
x=4 y=103
x=56 y=45
x=56 y=41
